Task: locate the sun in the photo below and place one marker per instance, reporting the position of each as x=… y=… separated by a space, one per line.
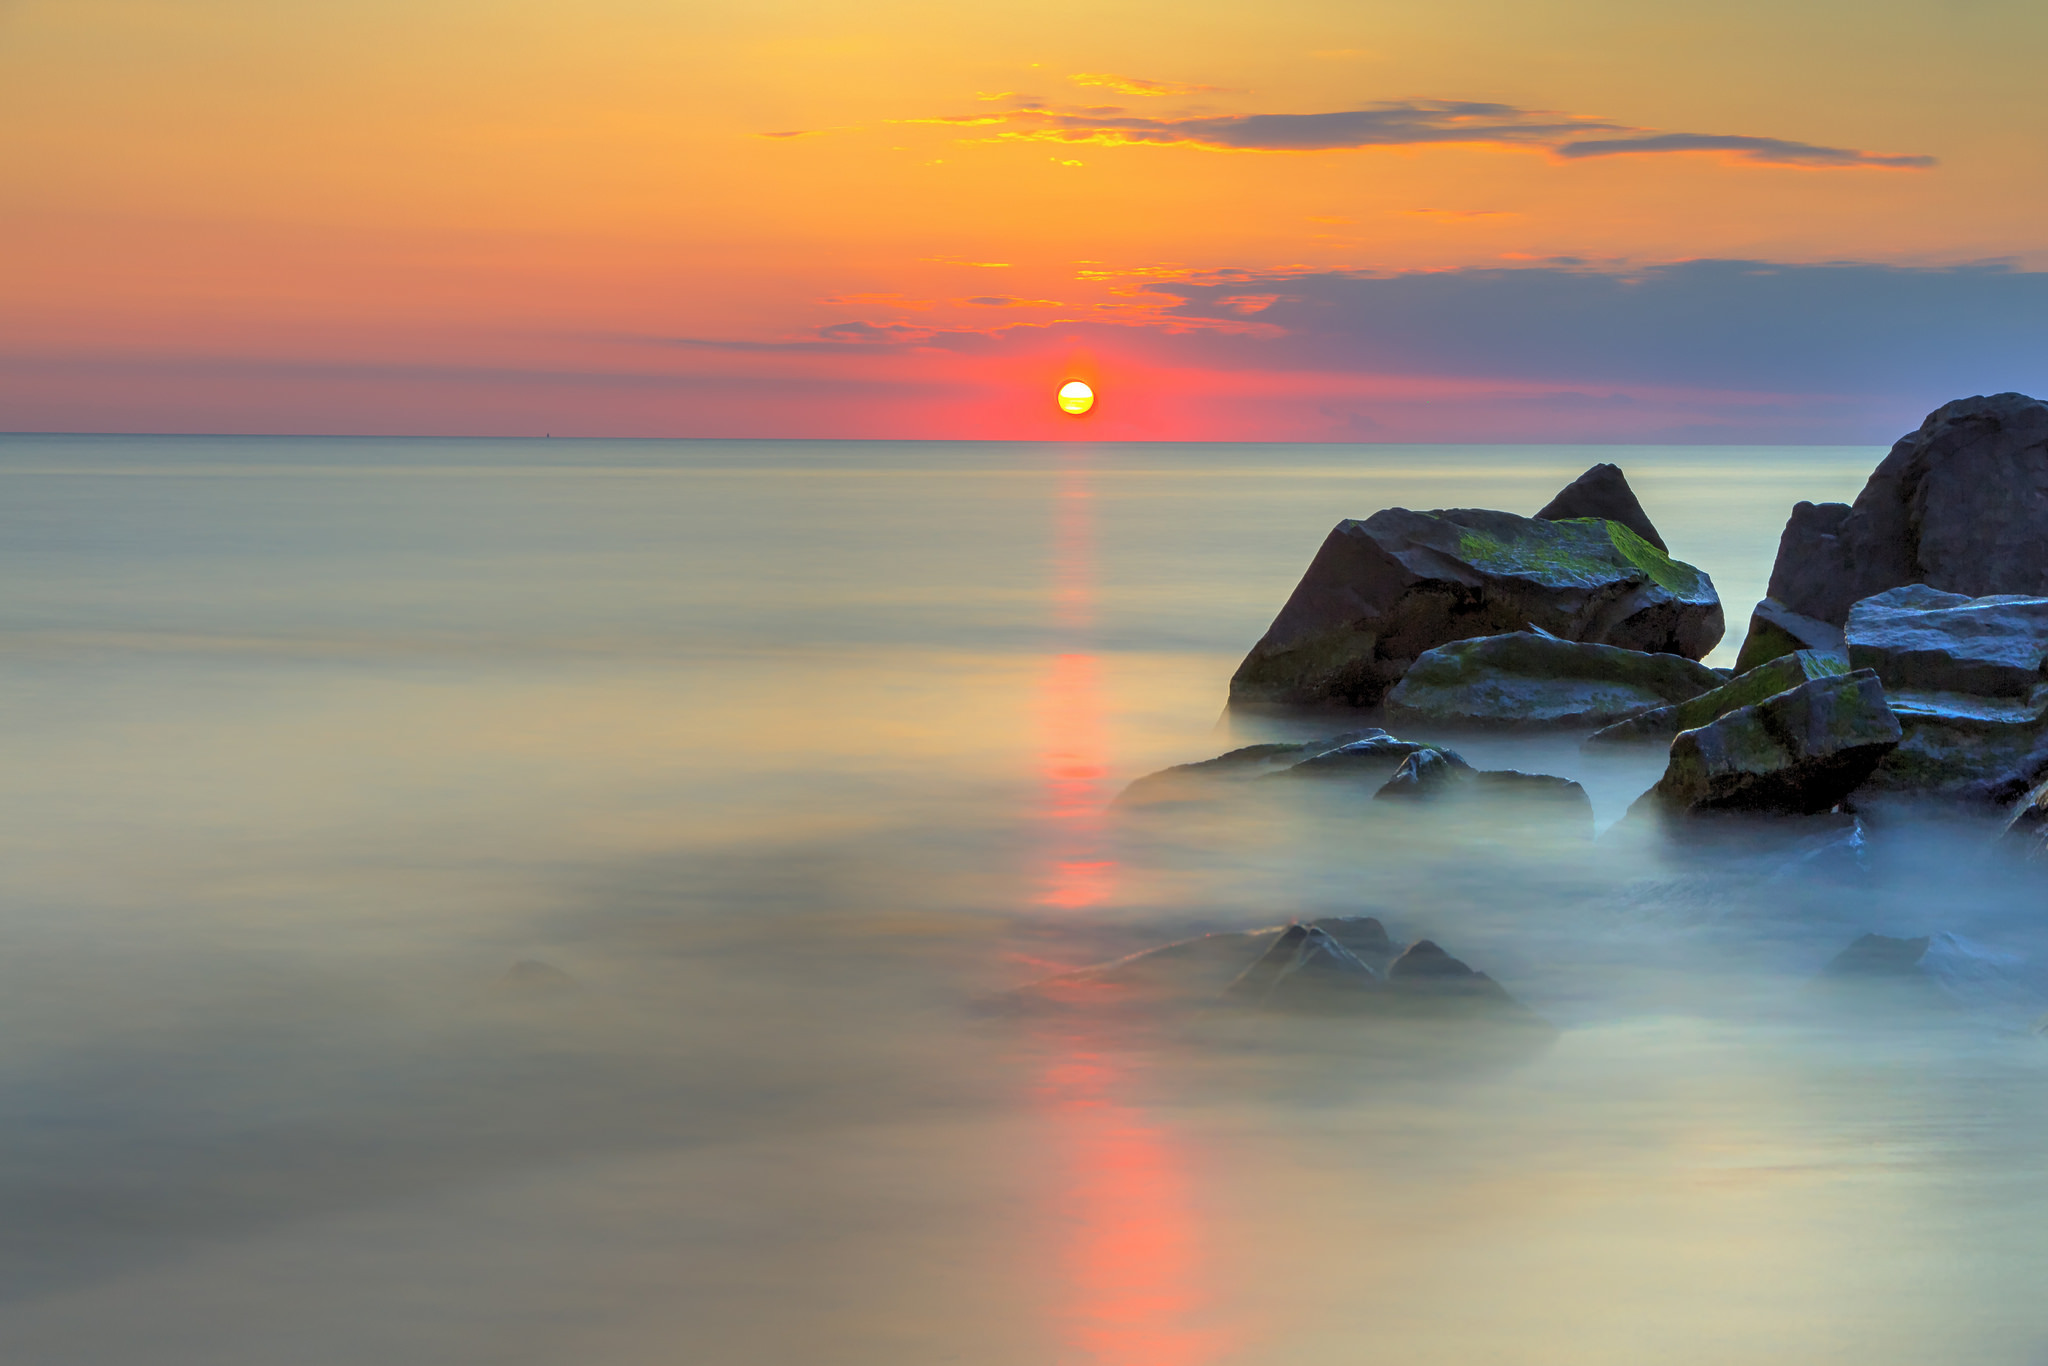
x=1076 y=397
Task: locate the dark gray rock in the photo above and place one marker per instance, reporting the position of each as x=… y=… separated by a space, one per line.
x=1201 y=780
x=1527 y=679
x=1425 y=775
x=1603 y=492
x=1961 y=504
x=1801 y=751
x=1374 y=759
x=1776 y=630
x=1766 y=680
x=1917 y=637
x=1308 y=971
x=1956 y=747
x=1383 y=591
x=1941 y=970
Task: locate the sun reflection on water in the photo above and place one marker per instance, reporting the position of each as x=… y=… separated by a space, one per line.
x=1126 y=1239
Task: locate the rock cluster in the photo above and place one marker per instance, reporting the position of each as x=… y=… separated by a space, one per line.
x=1335 y=966
x=1384 y=591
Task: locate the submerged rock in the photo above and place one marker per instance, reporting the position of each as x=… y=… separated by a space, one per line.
x=1526 y=679
x=1333 y=966
x=1383 y=591
x=1766 y=680
x=1374 y=759
x=1775 y=630
x=1801 y=751
x=1196 y=781
x=1603 y=492
x=1940 y=969
x=1425 y=774
x=1961 y=504
x=1916 y=637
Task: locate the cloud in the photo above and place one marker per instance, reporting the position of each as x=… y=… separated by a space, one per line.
x=1408 y=123
x=1131 y=85
x=1770 y=151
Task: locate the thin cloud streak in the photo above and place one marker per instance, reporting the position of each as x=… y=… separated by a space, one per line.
x=1410 y=123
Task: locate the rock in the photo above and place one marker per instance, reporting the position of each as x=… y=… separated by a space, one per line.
x=1916 y=637
x=1766 y=680
x=1306 y=970
x=1961 y=505
x=532 y=980
x=1801 y=751
x=1603 y=492
x=2026 y=830
x=1427 y=980
x=1383 y=591
x=1963 y=748
x=1425 y=775
x=1541 y=796
x=1775 y=630
x=1527 y=679
x=1197 y=781
x=1934 y=970
x=1374 y=759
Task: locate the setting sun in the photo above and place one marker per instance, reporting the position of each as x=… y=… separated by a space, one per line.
x=1076 y=398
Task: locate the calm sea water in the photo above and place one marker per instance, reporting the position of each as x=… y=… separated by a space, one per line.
x=779 y=759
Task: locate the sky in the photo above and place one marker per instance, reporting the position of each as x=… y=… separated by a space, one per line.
x=1300 y=220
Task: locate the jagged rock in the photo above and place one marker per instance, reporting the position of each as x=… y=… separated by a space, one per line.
x=1921 y=638
x=1766 y=680
x=1776 y=630
x=1382 y=591
x=1193 y=782
x=2026 y=830
x=1603 y=492
x=1528 y=679
x=1425 y=774
x=1961 y=504
x=1306 y=970
x=1801 y=751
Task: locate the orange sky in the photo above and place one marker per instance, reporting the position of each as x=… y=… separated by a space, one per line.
x=446 y=215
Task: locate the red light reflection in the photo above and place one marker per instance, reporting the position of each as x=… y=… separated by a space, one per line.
x=1127 y=1242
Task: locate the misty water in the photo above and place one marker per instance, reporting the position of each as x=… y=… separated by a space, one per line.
x=535 y=902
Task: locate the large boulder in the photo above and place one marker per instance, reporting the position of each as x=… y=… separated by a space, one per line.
x=1766 y=680
x=1603 y=492
x=1383 y=591
x=1799 y=752
x=1526 y=679
x=1917 y=637
x=1961 y=504
x=1775 y=631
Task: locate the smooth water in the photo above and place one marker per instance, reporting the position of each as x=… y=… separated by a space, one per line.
x=782 y=761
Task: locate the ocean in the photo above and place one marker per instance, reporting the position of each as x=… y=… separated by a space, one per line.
x=473 y=901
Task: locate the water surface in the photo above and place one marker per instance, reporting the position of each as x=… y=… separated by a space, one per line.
x=783 y=760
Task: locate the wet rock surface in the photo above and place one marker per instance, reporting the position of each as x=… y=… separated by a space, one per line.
x=1526 y=679
x=1961 y=504
x=1799 y=752
x=1603 y=492
x=1916 y=637
x=1383 y=591
x=1766 y=680
x=1775 y=630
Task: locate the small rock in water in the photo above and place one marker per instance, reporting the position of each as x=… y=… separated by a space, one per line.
x=1425 y=774
x=532 y=980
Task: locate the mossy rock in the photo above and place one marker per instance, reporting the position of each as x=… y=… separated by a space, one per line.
x=1525 y=679
x=1766 y=680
